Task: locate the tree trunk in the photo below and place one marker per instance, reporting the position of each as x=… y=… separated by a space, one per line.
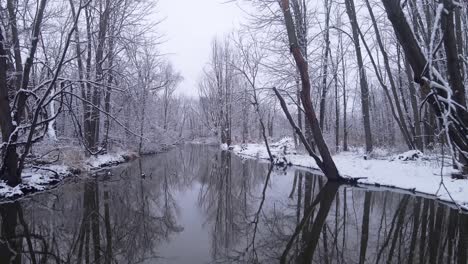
x=22 y=97
x=8 y=171
x=298 y=98
x=454 y=64
x=350 y=10
x=142 y=118
x=103 y=27
x=414 y=106
x=345 y=99
x=11 y=6
x=337 y=111
x=401 y=117
x=88 y=110
x=110 y=81
x=325 y=64
x=329 y=166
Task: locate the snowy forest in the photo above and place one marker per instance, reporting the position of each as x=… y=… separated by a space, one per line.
x=363 y=93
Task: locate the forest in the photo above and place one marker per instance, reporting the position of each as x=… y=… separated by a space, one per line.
x=86 y=76
x=384 y=75
x=359 y=92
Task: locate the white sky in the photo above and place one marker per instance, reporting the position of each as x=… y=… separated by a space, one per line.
x=189 y=28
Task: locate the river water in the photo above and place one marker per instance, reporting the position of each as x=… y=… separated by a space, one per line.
x=197 y=204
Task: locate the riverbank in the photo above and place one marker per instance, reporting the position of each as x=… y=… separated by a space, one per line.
x=410 y=171
x=36 y=178
x=59 y=162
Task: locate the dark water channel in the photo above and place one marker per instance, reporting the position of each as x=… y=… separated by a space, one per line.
x=196 y=204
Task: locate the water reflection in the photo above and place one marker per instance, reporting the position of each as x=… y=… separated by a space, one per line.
x=348 y=225
x=200 y=205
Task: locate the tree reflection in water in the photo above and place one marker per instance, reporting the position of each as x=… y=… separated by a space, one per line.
x=343 y=224
x=250 y=213
x=98 y=221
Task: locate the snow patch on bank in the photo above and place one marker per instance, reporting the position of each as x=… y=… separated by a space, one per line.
x=108 y=159
x=40 y=178
x=204 y=141
x=36 y=179
x=410 y=170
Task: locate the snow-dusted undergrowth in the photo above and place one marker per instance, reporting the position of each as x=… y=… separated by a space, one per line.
x=35 y=179
x=410 y=170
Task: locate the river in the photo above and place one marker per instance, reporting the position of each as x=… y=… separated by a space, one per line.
x=198 y=204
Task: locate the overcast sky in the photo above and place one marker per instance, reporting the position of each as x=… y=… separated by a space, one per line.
x=189 y=27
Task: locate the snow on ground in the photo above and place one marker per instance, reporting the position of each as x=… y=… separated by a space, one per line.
x=36 y=179
x=410 y=170
x=204 y=141
x=41 y=178
x=108 y=159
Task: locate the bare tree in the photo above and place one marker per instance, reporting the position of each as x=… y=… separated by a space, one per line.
x=400 y=119
x=250 y=60
x=12 y=115
x=325 y=87
x=351 y=11
x=217 y=89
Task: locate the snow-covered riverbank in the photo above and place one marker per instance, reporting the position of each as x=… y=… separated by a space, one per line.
x=54 y=161
x=44 y=177
x=410 y=171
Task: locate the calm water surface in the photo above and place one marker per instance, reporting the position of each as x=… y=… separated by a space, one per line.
x=196 y=204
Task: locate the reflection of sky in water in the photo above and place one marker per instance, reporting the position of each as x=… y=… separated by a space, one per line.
x=197 y=204
x=193 y=244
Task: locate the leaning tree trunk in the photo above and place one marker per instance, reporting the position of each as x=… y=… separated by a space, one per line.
x=300 y=20
x=442 y=95
x=329 y=167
